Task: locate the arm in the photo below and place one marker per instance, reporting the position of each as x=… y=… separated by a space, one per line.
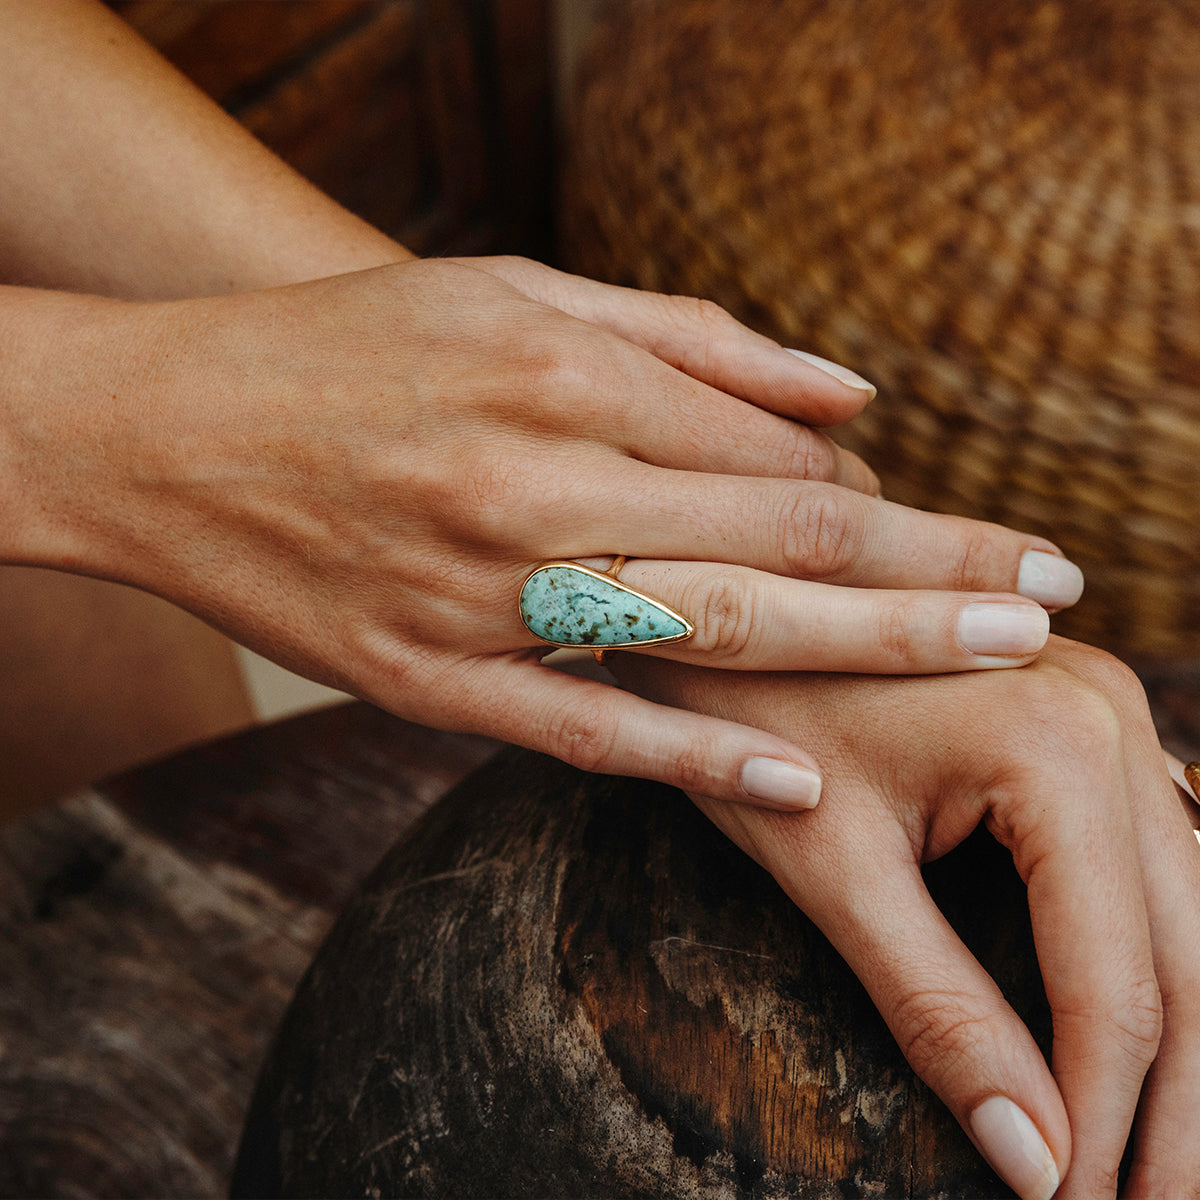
x=1060 y=761
x=353 y=475
x=118 y=177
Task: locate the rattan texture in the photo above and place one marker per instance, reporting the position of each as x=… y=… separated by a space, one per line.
x=990 y=210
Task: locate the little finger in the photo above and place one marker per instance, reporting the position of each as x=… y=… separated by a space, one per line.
x=700 y=339
x=598 y=727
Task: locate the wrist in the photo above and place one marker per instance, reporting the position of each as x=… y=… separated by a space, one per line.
x=57 y=396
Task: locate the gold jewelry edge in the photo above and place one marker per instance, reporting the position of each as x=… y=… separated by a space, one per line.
x=598 y=651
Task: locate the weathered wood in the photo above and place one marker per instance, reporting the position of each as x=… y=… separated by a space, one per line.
x=566 y=985
x=151 y=932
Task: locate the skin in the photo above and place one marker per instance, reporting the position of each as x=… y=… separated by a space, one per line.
x=1061 y=763
x=345 y=473
x=188 y=406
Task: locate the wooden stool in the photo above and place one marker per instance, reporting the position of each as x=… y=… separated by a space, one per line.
x=568 y=985
x=557 y=985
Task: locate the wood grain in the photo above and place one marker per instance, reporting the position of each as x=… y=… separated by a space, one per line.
x=567 y=985
x=151 y=933
x=554 y=985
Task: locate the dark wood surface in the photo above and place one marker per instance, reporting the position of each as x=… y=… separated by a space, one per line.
x=429 y=118
x=153 y=929
x=562 y=985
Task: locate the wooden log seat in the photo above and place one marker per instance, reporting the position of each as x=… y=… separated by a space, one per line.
x=562 y=985
x=553 y=986
x=152 y=931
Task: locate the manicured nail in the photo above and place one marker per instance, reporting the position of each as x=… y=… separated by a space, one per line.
x=840 y=373
x=1003 y=630
x=1018 y=1154
x=1049 y=579
x=781 y=783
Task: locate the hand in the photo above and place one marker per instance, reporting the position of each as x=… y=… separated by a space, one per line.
x=1061 y=762
x=353 y=476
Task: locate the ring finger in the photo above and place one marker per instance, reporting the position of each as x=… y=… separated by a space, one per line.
x=750 y=620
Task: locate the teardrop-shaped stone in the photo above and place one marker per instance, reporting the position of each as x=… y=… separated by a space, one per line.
x=569 y=605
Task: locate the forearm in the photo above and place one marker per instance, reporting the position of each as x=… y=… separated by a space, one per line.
x=51 y=371
x=119 y=177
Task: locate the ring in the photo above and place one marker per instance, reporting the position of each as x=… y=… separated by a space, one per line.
x=566 y=604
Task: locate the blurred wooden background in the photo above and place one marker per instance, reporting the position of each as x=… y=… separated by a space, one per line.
x=429 y=118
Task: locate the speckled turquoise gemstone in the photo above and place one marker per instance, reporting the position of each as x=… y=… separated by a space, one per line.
x=570 y=605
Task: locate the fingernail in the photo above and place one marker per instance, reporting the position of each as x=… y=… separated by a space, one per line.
x=781 y=783
x=1006 y=630
x=840 y=373
x=1018 y=1154
x=1049 y=579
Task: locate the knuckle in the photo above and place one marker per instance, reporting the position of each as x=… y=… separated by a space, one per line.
x=1080 y=718
x=1114 y=678
x=1129 y=1020
x=817 y=533
x=708 y=315
x=1086 y=722
x=1139 y=1021
x=692 y=768
x=973 y=568
x=811 y=455
x=585 y=738
x=936 y=1033
x=696 y=327
x=726 y=621
x=554 y=366
x=490 y=494
x=897 y=637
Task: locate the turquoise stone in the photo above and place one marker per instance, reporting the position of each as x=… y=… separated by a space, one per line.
x=569 y=605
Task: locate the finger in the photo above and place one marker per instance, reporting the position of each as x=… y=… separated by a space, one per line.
x=821 y=532
x=1076 y=850
x=702 y=340
x=1166 y=1151
x=749 y=620
x=1166 y=1158
x=619 y=394
x=946 y=1013
x=598 y=727
x=698 y=428
x=1187 y=794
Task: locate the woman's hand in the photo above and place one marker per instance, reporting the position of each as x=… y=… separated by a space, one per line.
x=355 y=475
x=1061 y=762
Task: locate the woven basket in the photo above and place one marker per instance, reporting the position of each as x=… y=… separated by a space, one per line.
x=990 y=210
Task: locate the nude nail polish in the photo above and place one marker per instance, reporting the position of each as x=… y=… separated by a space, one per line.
x=781 y=783
x=1003 y=630
x=840 y=373
x=1049 y=579
x=1018 y=1153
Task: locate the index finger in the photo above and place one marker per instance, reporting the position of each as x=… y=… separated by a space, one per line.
x=946 y=1013
x=1076 y=850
